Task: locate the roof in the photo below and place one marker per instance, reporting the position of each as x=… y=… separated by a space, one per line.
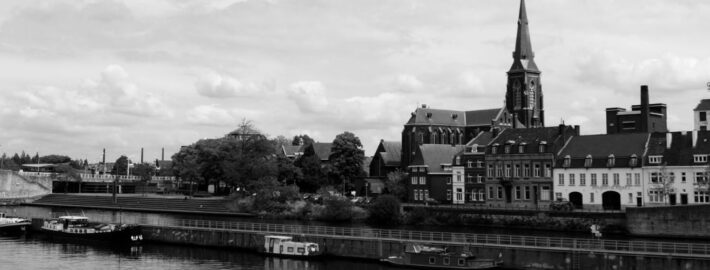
x=523 y=53
x=603 y=145
x=390 y=152
x=704 y=105
x=434 y=155
x=291 y=150
x=482 y=139
x=681 y=149
x=322 y=150
x=482 y=117
x=530 y=136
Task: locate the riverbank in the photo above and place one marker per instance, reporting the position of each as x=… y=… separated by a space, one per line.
x=216 y=206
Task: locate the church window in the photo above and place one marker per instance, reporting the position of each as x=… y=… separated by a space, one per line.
x=531 y=95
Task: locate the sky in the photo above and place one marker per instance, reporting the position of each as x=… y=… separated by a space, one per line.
x=78 y=76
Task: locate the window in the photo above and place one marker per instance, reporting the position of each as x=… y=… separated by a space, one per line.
x=702 y=197
x=591 y=197
x=481 y=195
x=611 y=161
x=422 y=180
x=517 y=193
x=588 y=161
x=633 y=161
x=571 y=179
x=479 y=178
x=500 y=192
x=521 y=148
x=527 y=192
x=416 y=194
x=682 y=177
x=526 y=170
x=448 y=180
x=558 y=195
x=548 y=170
x=432 y=260
x=628 y=179
x=426 y=194
x=699 y=177
x=446 y=260
x=462 y=261
x=542 y=147
x=516 y=172
x=459 y=194
x=672 y=176
x=702 y=116
x=655 y=177
x=507 y=148
x=469 y=163
x=655 y=159
x=471 y=195
x=567 y=161
x=490 y=193
x=655 y=196
x=494 y=149
x=458 y=160
x=414 y=180
x=545 y=193
x=561 y=179
x=479 y=164
x=700 y=158
x=605 y=179
x=490 y=170
x=616 y=179
x=593 y=179
x=631 y=198
x=289 y=249
x=469 y=178
x=582 y=179
x=499 y=170
x=637 y=179
x=536 y=170
x=507 y=170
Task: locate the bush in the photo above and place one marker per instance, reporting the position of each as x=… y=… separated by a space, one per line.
x=336 y=209
x=385 y=211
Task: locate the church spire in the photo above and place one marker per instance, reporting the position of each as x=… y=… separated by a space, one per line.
x=523 y=55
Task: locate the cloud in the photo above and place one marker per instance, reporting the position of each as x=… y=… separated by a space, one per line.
x=218 y=86
x=407 y=83
x=309 y=96
x=209 y=115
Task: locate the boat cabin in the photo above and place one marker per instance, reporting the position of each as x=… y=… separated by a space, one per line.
x=284 y=245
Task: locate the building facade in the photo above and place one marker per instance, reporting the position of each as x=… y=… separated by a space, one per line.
x=700 y=114
x=602 y=171
x=469 y=172
x=519 y=166
x=386 y=159
x=430 y=174
x=642 y=118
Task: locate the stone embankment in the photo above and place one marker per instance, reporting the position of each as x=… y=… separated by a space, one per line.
x=15 y=188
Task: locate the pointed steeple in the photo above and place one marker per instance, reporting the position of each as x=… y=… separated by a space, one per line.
x=523 y=55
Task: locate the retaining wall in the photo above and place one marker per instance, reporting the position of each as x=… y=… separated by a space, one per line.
x=686 y=221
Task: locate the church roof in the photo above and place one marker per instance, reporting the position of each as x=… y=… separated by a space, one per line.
x=482 y=117
x=704 y=105
x=429 y=116
x=523 y=55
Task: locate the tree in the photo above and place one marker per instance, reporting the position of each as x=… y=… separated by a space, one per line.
x=121 y=166
x=385 y=211
x=396 y=184
x=66 y=174
x=302 y=139
x=346 y=158
x=288 y=172
x=55 y=159
x=311 y=170
x=663 y=183
x=145 y=172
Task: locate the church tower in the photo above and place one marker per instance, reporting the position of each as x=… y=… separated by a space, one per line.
x=523 y=98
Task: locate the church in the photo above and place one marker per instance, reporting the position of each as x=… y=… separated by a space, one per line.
x=523 y=106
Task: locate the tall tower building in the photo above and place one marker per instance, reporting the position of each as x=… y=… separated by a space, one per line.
x=523 y=98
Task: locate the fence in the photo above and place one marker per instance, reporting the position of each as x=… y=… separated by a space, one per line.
x=87 y=177
x=463 y=207
x=649 y=248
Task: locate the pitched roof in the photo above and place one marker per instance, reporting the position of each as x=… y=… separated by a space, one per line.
x=322 y=150
x=291 y=150
x=530 y=136
x=392 y=156
x=433 y=155
x=603 y=145
x=482 y=139
x=681 y=149
x=482 y=117
x=704 y=105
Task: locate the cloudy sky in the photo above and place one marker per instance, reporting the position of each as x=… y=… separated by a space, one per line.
x=79 y=76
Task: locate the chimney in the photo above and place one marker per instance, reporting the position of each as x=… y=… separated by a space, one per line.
x=576 y=130
x=141 y=155
x=103 y=159
x=644 y=109
x=423 y=106
x=561 y=129
x=694 y=137
x=669 y=140
x=162 y=153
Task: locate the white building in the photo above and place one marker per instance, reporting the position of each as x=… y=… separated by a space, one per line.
x=601 y=171
x=701 y=114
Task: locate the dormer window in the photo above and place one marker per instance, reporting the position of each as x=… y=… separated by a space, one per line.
x=567 y=161
x=633 y=161
x=700 y=158
x=655 y=159
x=507 y=148
x=611 y=161
x=454 y=116
x=494 y=148
x=474 y=148
x=521 y=148
x=428 y=115
x=588 y=161
x=542 y=147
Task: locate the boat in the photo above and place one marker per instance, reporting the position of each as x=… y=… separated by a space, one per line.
x=286 y=246
x=428 y=257
x=80 y=229
x=13 y=225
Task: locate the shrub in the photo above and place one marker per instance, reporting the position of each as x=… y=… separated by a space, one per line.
x=336 y=209
x=385 y=211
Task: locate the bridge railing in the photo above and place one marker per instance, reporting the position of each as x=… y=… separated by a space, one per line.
x=452 y=238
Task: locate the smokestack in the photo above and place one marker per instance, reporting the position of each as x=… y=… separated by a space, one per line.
x=103 y=159
x=162 y=153
x=644 y=108
x=141 y=155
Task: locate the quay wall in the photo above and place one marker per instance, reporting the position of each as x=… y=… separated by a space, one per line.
x=684 y=221
x=17 y=188
x=375 y=249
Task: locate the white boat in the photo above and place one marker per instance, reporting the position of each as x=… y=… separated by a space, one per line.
x=10 y=225
x=284 y=245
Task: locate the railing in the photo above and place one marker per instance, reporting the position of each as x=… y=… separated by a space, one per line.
x=657 y=248
x=87 y=177
x=505 y=207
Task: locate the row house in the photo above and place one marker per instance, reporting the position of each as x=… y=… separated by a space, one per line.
x=602 y=171
x=519 y=165
x=430 y=173
x=677 y=168
x=469 y=173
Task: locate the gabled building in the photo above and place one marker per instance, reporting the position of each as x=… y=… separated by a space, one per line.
x=469 y=172
x=677 y=169
x=642 y=118
x=387 y=158
x=430 y=173
x=519 y=165
x=700 y=114
x=601 y=171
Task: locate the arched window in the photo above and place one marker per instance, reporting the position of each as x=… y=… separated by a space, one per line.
x=588 y=161
x=567 y=161
x=611 y=161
